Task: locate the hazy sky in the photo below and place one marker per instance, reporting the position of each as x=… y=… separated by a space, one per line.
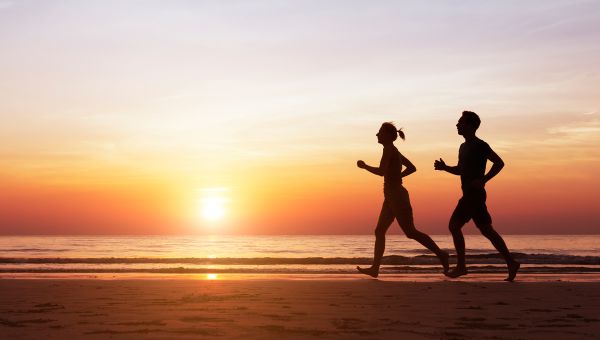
x=122 y=116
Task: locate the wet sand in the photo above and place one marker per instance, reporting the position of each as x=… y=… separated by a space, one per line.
x=275 y=308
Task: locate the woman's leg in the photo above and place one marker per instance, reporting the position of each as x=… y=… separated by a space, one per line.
x=386 y=217
x=404 y=216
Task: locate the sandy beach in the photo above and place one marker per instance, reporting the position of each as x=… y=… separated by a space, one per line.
x=275 y=308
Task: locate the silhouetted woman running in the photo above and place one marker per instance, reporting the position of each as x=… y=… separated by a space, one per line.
x=396 y=203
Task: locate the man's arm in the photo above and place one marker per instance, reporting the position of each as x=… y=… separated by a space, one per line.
x=497 y=165
x=441 y=165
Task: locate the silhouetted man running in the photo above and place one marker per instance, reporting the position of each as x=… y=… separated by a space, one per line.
x=472 y=157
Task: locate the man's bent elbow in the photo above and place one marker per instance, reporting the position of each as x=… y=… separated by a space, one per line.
x=498 y=163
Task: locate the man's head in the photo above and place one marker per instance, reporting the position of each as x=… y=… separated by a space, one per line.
x=468 y=123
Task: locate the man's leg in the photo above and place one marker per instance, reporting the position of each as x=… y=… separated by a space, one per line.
x=386 y=217
x=459 y=244
x=459 y=218
x=488 y=231
x=483 y=221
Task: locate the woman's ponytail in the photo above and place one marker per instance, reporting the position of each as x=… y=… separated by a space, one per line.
x=390 y=130
x=401 y=134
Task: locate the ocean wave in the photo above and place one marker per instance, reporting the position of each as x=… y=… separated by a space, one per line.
x=490 y=258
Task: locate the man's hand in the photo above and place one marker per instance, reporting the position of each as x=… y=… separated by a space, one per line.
x=360 y=164
x=439 y=164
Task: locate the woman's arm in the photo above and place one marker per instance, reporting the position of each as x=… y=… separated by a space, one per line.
x=410 y=168
x=383 y=164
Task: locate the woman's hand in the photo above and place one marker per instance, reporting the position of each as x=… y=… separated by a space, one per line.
x=360 y=164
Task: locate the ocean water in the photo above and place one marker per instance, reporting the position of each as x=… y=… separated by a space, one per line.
x=314 y=254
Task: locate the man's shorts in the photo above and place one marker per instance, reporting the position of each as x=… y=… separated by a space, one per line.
x=472 y=206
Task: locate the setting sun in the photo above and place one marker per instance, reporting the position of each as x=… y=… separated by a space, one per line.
x=213 y=204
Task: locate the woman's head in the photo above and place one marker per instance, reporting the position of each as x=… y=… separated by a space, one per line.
x=388 y=133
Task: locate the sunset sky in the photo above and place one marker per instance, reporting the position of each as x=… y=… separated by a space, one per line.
x=135 y=117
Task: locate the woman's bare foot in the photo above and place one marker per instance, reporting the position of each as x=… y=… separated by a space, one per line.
x=513 y=268
x=371 y=271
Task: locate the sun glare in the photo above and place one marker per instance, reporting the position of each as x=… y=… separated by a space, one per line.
x=213 y=204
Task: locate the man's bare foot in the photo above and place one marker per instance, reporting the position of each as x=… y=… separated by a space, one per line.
x=444 y=260
x=371 y=271
x=457 y=272
x=513 y=268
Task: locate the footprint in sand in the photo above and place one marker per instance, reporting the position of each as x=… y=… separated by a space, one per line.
x=348 y=323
